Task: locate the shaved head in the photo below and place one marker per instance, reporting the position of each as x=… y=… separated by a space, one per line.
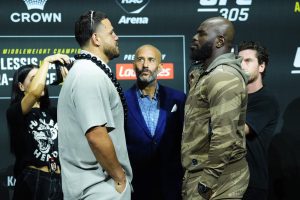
x=214 y=37
x=221 y=27
x=152 y=48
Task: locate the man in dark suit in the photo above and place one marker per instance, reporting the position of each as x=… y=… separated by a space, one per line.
x=153 y=130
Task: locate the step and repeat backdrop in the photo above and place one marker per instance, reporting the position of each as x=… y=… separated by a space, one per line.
x=33 y=29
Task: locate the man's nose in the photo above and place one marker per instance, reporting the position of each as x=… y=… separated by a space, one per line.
x=146 y=63
x=243 y=64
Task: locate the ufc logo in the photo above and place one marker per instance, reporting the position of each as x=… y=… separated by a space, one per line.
x=223 y=2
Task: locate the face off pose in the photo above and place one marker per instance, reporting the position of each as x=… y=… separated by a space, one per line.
x=213 y=144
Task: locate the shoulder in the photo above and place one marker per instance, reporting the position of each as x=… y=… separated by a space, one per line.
x=130 y=91
x=224 y=75
x=226 y=71
x=86 y=67
x=265 y=96
x=87 y=72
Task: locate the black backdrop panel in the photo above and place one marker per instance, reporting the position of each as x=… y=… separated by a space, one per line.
x=48 y=28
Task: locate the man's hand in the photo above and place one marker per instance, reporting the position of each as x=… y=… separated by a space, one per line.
x=104 y=151
x=120 y=185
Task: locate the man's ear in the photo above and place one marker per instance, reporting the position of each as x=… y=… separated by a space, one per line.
x=21 y=87
x=95 y=39
x=160 y=67
x=220 y=41
x=262 y=67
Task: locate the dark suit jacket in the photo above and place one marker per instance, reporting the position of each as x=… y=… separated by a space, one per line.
x=156 y=161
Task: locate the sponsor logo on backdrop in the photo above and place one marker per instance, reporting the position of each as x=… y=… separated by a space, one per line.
x=36 y=16
x=133 y=8
x=297 y=62
x=240 y=11
x=124 y=71
x=297 y=7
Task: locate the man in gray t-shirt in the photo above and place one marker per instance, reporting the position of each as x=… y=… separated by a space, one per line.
x=92 y=147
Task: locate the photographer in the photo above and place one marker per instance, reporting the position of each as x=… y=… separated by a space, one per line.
x=32 y=125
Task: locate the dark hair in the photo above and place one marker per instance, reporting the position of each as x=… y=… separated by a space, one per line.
x=19 y=77
x=261 y=52
x=86 y=25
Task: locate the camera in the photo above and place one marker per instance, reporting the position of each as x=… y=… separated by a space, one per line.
x=58 y=66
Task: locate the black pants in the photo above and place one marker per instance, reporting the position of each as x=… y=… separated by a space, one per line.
x=255 y=194
x=33 y=184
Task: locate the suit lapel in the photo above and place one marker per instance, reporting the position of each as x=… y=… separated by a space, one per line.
x=163 y=101
x=135 y=110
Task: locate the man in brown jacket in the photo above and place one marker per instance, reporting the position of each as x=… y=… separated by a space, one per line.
x=213 y=145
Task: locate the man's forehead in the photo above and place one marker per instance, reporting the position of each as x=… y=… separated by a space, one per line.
x=248 y=52
x=147 y=51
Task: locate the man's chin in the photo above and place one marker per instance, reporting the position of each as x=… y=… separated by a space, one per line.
x=194 y=57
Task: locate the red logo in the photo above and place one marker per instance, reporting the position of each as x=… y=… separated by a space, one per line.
x=124 y=71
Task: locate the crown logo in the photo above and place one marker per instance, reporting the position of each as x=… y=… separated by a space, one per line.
x=35 y=4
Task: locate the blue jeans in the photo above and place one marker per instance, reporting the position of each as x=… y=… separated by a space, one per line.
x=33 y=184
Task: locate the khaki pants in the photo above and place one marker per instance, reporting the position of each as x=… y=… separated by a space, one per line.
x=232 y=184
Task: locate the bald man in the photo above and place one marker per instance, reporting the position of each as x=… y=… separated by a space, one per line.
x=213 y=144
x=153 y=130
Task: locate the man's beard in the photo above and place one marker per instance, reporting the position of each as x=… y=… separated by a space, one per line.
x=146 y=80
x=203 y=53
x=112 y=51
x=252 y=78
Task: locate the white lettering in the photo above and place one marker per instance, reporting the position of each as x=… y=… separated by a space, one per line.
x=131 y=1
x=3 y=79
x=208 y=2
x=244 y=2
x=43 y=157
x=165 y=72
x=36 y=17
x=15 y=17
x=56 y=17
x=133 y=20
x=297 y=58
x=11 y=181
x=129 y=57
x=50 y=78
x=25 y=17
x=37 y=153
x=15 y=63
x=55 y=154
x=223 y=2
x=126 y=72
x=235 y=13
x=48 y=157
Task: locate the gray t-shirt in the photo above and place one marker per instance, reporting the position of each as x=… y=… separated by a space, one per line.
x=88 y=98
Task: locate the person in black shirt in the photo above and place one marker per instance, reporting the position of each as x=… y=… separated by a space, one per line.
x=261 y=119
x=32 y=125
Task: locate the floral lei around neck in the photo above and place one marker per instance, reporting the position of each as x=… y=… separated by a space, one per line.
x=110 y=74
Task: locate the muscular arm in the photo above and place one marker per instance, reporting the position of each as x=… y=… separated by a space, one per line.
x=104 y=151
